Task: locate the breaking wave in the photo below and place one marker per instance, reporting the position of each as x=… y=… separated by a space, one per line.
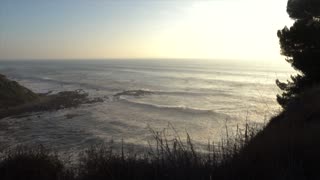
x=174 y=109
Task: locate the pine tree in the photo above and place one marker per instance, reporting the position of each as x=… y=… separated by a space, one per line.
x=301 y=46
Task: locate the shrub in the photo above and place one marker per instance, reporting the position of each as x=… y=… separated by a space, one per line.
x=24 y=163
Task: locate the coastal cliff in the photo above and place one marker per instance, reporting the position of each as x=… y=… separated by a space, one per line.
x=13 y=94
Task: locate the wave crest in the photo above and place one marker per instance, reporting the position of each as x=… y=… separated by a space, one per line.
x=174 y=109
x=136 y=93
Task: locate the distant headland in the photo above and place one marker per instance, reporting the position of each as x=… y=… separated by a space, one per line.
x=16 y=99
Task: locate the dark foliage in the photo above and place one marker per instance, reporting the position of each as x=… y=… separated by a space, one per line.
x=301 y=45
x=287 y=148
x=166 y=159
x=32 y=163
x=300 y=9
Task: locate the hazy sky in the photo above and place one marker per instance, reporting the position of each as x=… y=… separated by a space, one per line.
x=211 y=29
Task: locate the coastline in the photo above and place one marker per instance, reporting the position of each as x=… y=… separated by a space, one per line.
x=29 y=102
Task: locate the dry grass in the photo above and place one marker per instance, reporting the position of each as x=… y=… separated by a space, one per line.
x=164 y=159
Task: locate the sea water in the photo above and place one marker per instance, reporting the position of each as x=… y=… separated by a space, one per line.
x=200 y=98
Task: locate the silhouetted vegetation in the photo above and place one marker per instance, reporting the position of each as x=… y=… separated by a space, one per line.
x=32 y=163
x=301 y=45
x=164 y=159
x=288 y=147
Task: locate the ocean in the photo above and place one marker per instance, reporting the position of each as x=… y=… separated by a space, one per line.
x=201 y=98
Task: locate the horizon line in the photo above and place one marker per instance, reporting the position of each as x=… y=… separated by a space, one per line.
x=82 y=59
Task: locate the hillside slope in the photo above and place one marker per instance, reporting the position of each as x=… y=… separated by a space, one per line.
x=16 y=100
x=13 y=94
x=288 y=147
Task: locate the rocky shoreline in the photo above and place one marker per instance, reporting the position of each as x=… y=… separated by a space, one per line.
x=16 y=100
